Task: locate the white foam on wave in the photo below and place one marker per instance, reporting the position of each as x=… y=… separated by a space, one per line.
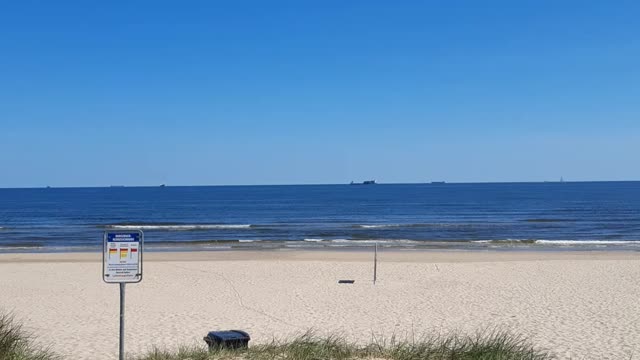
x=375 y=241
x=342 y=240
x=414 y=225
x=313 y=240
x=382 y=226
x=588 y=242
x=560 y=242
x=248 y=240
x=218 y=247
x=180 y=227
x=13 y=248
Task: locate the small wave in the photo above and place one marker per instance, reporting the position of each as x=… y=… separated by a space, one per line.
x=218 y=247
x=378 y=226
x=314 y=240
x=559 y=242
x=420 y=225
x=392 y=226
x=376 y=241
x=15 y=248
x=180 y=227
x=180 y=243
x=547 y=220
x=588 y=242
x=23 y=244
x=356 y=243
x=506 y=241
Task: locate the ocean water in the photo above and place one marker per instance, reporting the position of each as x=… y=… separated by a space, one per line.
x=505 y=215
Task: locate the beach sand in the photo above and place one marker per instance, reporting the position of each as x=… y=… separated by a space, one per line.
x=583 y=305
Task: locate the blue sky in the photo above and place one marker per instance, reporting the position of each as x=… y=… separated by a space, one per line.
x=271 y=92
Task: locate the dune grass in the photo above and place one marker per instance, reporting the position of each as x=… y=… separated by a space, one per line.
x=15 y=343
x=482 y=346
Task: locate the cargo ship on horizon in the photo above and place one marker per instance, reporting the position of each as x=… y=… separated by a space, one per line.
x=366 y=182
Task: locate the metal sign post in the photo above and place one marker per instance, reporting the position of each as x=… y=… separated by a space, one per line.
x=121 y=346
x=122 y=264
x=375 y=264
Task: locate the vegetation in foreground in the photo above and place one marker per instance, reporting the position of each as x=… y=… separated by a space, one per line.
x=484 y=346
x=15 y=344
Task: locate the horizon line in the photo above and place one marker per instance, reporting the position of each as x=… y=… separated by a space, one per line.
x=322 y=184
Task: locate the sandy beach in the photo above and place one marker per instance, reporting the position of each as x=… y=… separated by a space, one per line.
x=580 y=305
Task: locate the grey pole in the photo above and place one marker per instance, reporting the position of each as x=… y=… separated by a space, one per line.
x=121 y=356
x=375 y=264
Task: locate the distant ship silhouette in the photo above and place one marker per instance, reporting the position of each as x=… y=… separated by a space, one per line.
x=366 y=182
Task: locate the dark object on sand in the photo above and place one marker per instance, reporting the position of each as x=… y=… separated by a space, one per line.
x=346 y=281
x=231 y=339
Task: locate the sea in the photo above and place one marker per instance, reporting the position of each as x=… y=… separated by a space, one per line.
x=525 y=216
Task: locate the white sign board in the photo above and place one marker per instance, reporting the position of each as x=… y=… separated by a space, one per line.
x=122 y=256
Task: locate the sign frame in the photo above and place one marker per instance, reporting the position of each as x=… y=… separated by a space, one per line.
x=105 y=255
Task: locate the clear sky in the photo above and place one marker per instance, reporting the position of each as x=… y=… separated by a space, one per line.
x=269 y=92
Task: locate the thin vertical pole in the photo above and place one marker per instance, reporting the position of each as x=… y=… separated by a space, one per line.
x=121 y=350
x=375 y=265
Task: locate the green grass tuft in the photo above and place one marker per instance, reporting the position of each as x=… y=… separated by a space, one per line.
x=15 y=344
x=489 y=345
x=483 y=346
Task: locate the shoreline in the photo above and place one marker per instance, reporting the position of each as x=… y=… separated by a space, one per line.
x=348 y=245
x=339 y=255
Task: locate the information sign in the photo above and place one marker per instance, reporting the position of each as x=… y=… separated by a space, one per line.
x=122 y=256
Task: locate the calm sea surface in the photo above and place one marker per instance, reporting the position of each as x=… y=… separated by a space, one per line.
x=520 y=215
